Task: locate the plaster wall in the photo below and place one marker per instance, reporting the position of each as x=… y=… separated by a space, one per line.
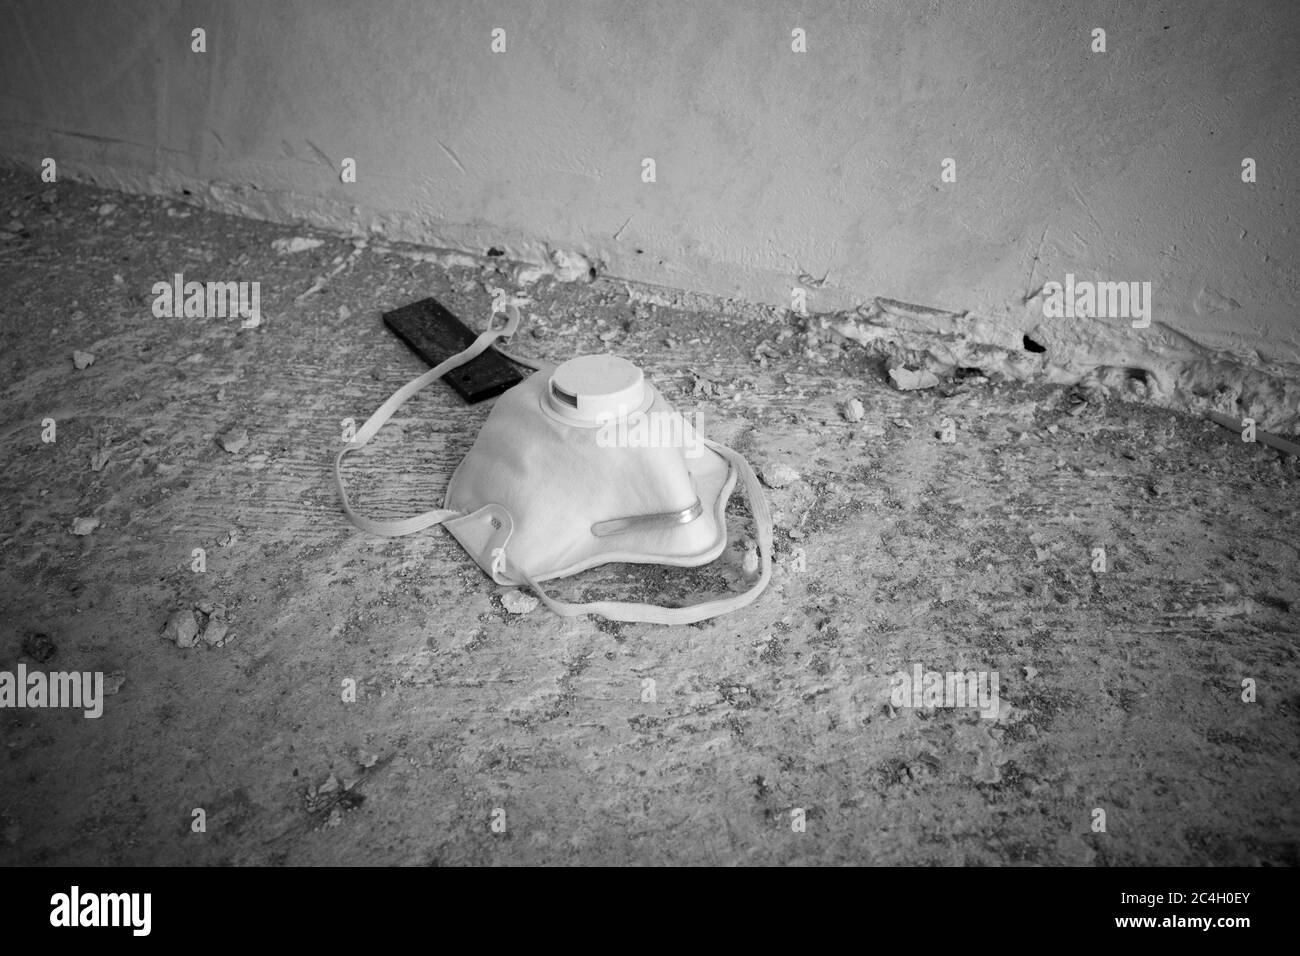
x=1123 y=165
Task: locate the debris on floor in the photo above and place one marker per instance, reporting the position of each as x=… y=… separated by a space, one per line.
x=907 y=379
x=778 y=476
x=214 y=628
x=84 y=526
x=205 y=621
x=182 y=628
x=296 y=244
x=113 y=682
x=517 y=602
x=561 y=265
x=233 y=439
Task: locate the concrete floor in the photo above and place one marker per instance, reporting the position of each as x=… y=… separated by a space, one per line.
x=1122 y=690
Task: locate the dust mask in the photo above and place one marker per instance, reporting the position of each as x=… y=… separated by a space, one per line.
x=581 y=465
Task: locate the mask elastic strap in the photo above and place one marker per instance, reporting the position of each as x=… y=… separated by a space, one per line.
x=655 y=614
x=386 y=411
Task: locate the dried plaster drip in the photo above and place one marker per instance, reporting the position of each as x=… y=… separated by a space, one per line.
x=1178 y=372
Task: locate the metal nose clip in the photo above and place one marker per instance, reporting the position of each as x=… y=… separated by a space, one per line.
x=664 y=519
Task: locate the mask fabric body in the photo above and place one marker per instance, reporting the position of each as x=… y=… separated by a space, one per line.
x=541 y=495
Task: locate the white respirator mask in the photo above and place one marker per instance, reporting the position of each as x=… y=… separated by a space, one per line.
x=580 y=465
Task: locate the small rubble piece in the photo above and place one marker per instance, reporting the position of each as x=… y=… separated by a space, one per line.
x=39 y=647
x=213 y=624
x=82 y=359
x=779 y=476
x=562 y=266
x=113 y=682
x=528 y=274
x=517 y=602
x=106 y=209
x=182 y=629
x=296 y=244
x=853 y=410
x=908 y=380
x=749 y=565
x=331 y=785
x=233 y=439
x=84 y=526
x=206 y=622
x=704 y=386
x=1159 y=487
x=457 y=260
x=571 y=266
x=332 y=798
x=448 y=260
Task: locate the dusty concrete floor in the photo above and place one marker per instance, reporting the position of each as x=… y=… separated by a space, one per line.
x=1124 y=687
